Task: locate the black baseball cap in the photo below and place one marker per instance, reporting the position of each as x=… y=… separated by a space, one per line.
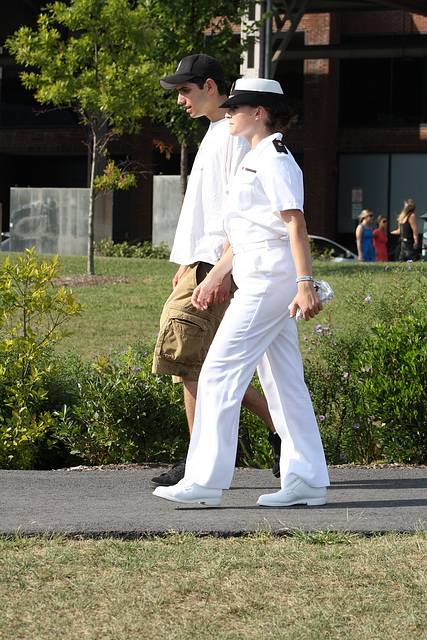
x=198 y=65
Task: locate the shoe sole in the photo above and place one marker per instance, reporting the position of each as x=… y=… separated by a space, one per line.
x=208 y=502
x=310 y=502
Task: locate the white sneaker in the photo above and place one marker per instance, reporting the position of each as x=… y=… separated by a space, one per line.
x=296 y=492
x=190 y=494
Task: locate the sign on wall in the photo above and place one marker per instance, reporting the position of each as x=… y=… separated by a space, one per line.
x=356 y=202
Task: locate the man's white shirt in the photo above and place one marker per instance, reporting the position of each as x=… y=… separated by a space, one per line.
x=200 y=234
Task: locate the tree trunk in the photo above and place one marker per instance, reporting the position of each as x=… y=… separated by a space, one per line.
x=90 y=233
x=184 y=169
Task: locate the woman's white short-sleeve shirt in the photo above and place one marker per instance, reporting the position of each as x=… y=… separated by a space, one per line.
x=267 y=181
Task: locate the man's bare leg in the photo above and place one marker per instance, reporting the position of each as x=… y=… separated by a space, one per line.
x=256 y=402
x=190 y=394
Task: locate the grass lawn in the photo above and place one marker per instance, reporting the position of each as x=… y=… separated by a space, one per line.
x=319 y=586
x=310 y=586
x=118 y=315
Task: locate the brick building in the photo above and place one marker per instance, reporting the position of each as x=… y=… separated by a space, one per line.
x=358 y=80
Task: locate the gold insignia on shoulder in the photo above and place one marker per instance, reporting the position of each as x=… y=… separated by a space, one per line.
x=279 y=146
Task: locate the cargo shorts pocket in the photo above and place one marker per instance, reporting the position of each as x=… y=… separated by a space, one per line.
x=185 y=337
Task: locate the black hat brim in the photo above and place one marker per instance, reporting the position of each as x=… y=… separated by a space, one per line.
x=258 y=98
x=171 y=81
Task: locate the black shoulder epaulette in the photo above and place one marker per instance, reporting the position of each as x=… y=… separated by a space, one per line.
x=279 y=146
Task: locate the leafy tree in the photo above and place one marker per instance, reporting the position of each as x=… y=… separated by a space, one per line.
x=185 y=27
x=90 y=56
x=104 y=58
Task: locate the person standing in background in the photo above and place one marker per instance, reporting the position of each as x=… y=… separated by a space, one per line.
x=364 y=236
x=408 y=231
x=380 y=239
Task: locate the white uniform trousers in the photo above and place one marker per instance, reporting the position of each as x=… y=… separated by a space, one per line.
x=256 y=330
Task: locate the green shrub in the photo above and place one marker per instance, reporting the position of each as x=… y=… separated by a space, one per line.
x=333 y=353
x=393 y=369
x=110 y=249
x=345 y=426
x=366 y=376
x=115 y=411
x=32 y=320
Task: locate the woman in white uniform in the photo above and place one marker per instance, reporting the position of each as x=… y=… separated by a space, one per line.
x=270 y=256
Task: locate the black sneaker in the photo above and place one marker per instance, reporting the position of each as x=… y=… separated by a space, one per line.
x=276 y=442
x=170 y=477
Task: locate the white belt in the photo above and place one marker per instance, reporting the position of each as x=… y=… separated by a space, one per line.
x=263 y=244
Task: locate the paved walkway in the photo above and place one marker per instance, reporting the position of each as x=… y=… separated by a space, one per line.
x=104 y=502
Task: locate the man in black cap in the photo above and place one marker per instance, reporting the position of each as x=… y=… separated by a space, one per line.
x=185 y=332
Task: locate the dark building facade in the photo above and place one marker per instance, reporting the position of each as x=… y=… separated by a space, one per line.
x=362 y=123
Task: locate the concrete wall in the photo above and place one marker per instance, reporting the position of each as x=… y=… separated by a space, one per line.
x=166 y=208
x=56 y=220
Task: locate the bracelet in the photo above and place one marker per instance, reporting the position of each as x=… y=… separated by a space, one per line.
x=302 y=278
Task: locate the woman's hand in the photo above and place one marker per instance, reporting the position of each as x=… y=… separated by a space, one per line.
x=307 y=300
x=215 y=288
x=221 y=291
x=203 y=294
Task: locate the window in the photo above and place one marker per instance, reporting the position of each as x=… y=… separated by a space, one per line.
x=383 y=91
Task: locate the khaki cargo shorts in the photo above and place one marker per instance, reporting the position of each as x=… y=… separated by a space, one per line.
x=186 y=333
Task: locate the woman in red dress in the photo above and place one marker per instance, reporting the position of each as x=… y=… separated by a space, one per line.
x=380 y=240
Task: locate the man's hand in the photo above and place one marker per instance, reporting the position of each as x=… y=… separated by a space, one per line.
x=307 y=300
x=178 y=275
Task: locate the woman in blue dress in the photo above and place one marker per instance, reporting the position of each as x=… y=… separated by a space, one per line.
x=364 y=237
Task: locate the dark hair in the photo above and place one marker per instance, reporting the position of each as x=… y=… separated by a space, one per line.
x=200 y=81
x=278 y=121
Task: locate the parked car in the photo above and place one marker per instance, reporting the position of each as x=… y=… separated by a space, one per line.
x=329 y=250
x=5 y=241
